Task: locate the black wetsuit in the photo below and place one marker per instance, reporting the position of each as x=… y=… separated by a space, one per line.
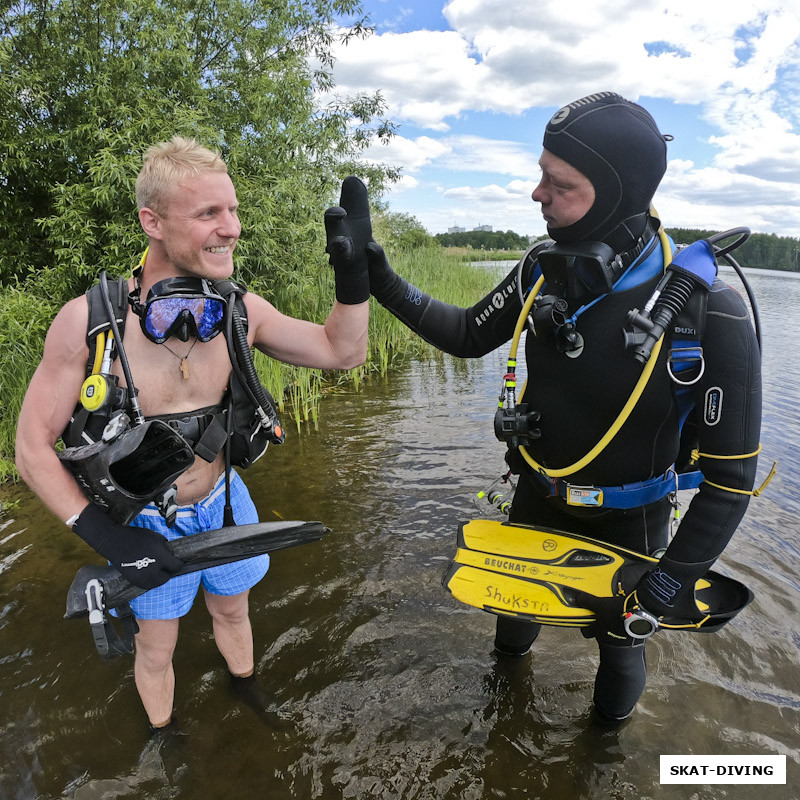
x=579 y=398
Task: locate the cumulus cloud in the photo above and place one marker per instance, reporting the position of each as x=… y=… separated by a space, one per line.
x=457 y=153
x=410 y=154
x=737 y=62
x=415 y=72
x=516 y=55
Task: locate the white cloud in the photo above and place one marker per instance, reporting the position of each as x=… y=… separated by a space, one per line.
x=424 y=76
x=516 y=55
x=736 y=61
x=507 y=207
x=456 y=153
x=410 y=154
x=405 y=184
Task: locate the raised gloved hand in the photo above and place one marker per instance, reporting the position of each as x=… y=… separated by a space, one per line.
x=383 y=280
x=348 y=229
x=141 y=555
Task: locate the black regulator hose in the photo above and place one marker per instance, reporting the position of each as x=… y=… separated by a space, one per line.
x=743 y=235
x=242 y=363
x=245 y=361
x=674 y=290
x=648 y=330
x=138 y=415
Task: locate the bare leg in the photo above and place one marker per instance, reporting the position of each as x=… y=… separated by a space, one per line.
x=232 y=631
x=155 y=678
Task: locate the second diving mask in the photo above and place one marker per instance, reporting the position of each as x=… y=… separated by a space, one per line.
x=180 y=307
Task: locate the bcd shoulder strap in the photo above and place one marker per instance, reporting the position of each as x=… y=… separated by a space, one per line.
x=98 y=316
x=82 y=428
x=686 y=364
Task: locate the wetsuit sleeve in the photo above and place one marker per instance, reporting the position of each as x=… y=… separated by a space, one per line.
x=728 y=401
x=464 y=332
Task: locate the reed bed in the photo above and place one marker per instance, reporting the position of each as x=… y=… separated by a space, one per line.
x=433 y=270
x=470 y=254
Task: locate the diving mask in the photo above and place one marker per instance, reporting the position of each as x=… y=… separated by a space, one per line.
x=180 y=307
x=580 y=270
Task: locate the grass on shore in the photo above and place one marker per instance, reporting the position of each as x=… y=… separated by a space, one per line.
x=471 y=254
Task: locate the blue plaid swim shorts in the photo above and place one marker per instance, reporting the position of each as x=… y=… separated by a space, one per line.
x=174 y=598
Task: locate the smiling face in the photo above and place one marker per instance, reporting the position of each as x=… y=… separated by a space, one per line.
x=200 y=226
x=565 y=193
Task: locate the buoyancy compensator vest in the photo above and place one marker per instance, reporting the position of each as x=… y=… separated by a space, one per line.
x=682 y=327
x=122 y=468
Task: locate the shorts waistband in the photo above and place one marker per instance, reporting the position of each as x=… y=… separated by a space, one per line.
x=151 y=509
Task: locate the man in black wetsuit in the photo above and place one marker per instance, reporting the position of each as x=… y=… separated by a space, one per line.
x=603 y=159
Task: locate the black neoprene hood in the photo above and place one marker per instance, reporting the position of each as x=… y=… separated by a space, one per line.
x=616 y=144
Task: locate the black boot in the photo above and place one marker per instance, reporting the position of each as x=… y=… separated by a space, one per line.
x=252 y=693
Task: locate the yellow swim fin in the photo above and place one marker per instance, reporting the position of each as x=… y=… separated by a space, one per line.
x=549 y=576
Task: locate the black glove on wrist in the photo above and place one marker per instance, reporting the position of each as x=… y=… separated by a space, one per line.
x=348 y=229
x=141 y=555
x=668 y=590
x=387 y=287
x=610 y=612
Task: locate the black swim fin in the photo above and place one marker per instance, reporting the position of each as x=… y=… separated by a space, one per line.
x=200 y=551
x=555 y=578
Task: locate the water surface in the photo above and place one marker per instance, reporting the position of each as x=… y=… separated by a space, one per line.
x=387 y=686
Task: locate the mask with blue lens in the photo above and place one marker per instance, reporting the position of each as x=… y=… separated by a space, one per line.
x=181 y=307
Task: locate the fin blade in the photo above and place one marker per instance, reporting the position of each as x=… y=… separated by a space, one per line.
x=541 y=554
x=510 y=596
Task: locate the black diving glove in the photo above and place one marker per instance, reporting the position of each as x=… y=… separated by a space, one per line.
x=387 y=287
x=348 y=229
x=139 y=554
x=668 y=590
x=641 y=602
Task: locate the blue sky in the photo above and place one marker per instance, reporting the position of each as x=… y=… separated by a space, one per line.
x=471 y=84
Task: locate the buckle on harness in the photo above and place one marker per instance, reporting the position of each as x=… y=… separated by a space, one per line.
x=97 y=617
x=584 y=496
x=684 y=358
x=168 y=505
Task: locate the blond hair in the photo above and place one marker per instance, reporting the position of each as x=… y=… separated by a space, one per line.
x=166 y=164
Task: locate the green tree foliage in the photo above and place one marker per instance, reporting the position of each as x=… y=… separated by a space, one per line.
x=397 y=232
x=761 y=250
x=88 y=85
x=484 y=240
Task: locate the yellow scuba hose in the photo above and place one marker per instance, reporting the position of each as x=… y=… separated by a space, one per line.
x=628 y=407
x=100 y=346
x=99 y=351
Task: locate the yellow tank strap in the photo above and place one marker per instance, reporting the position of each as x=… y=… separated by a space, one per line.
x=686 y=625
x=754 y=492
x=696 y=455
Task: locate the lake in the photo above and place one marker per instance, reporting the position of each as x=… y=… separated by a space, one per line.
x=387 y=686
